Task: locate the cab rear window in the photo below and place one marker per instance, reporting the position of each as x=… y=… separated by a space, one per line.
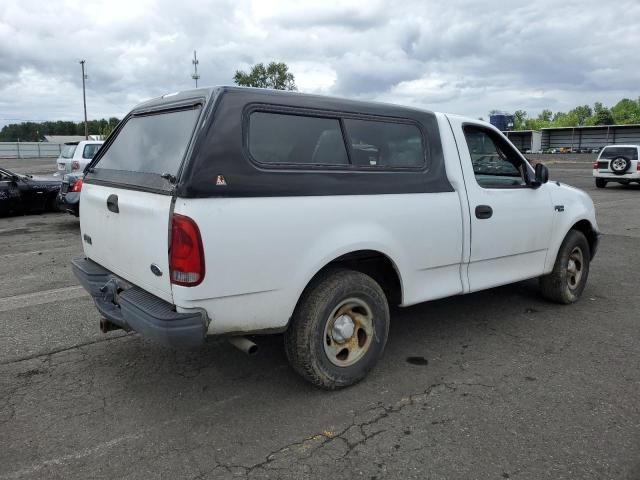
x=153 y=143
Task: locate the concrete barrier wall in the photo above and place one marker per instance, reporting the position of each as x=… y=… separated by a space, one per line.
x=29 y=149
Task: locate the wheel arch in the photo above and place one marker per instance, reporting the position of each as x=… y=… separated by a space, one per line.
x=374 y=263
x=587 y=229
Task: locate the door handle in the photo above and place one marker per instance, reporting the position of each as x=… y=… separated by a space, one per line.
x=483 y=212
x=112 y=203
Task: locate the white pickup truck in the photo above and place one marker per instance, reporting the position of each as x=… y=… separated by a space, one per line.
x=234 y=211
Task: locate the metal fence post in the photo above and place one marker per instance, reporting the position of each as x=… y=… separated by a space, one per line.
x=39 y=150
x=18 y=144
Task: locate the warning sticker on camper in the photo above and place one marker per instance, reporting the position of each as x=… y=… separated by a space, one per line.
x=220 y=181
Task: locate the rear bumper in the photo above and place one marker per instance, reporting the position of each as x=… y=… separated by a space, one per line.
x=633 y=176
x=69 y=202
x=133 y=308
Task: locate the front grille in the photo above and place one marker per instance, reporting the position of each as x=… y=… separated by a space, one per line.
x=603 y=165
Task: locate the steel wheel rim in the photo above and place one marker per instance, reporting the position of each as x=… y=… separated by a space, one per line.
x=575 y=268
x=618 y=164
x=344 y=352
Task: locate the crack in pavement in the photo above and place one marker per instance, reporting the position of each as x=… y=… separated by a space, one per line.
x=311 y=445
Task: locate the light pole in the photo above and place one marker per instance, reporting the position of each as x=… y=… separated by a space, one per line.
x=195 y=62
x=84 y=101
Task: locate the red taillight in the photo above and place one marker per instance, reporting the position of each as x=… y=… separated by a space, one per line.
x=638 y=166
x=186 y=255
x=77 y=187
x=75 y=165
x=595 y=165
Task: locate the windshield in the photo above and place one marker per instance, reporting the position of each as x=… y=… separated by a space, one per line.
x=68 y=151
x=151 y=143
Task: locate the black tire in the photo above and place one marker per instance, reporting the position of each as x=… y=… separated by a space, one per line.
x=308 y=340
x=561 y=285
x=52 y=204
x=619 y=165
x=601 y=182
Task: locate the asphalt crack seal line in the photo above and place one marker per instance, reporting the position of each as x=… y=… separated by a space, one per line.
x=39 y=298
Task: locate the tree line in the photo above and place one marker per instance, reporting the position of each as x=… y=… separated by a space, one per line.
x=35 y=131
x=625 y=112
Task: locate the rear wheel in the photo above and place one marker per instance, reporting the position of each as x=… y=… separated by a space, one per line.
x=570 y=272
x=339 y=329
x=601 y=182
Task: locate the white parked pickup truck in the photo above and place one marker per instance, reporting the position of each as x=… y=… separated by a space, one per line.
x=234 y=211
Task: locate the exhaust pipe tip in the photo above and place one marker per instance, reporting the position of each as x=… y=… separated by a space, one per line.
x=244 y=345
x=107 y=326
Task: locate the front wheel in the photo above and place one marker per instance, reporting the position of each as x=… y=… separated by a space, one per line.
x=339 y=329
x=601 y=182
x=569 y=275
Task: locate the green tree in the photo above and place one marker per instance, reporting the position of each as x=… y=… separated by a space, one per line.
x=601 y=115
x=519 y=119
x=545 y=115
x=626 y=111
x=275 y=75
x=35 y=131
x=582 y=113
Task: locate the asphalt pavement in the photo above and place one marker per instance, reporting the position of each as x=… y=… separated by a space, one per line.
x=493 y=385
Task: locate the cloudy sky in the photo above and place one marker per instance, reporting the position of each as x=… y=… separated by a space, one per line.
x=459 y=56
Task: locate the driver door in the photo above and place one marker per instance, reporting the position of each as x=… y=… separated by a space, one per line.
x=511 y=222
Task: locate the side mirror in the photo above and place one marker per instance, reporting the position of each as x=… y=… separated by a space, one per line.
x=542 y=175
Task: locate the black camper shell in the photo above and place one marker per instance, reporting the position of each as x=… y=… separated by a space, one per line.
x=218 y=163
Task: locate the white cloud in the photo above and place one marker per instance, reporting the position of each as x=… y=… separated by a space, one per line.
x=462 y=56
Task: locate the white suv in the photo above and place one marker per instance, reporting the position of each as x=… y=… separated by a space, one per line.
x=76 y=155
x=617 y=163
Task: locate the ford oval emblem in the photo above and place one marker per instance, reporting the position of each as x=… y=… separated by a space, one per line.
x=156 y=270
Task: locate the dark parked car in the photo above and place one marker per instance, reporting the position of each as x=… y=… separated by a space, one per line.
x=21 y=194
x=69 y=196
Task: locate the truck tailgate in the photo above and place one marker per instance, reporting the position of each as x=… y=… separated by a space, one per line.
x=127 y=232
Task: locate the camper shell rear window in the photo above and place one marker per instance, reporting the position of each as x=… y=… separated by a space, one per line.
x=152 y=143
